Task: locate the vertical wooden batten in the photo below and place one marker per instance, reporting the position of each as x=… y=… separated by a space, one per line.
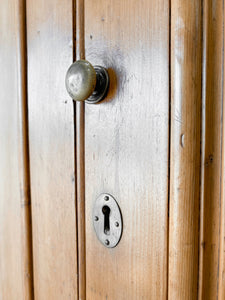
x=186 y=85
x=221 y=286
x=212 y=110
x=15 y=213
x=51 y=139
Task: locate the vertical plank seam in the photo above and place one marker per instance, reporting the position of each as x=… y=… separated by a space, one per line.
x=80 y=159
x=75 y=144
x=201 y=176
x=169 y=149
x=201 y=214
x=204 y=39
x=26 y=197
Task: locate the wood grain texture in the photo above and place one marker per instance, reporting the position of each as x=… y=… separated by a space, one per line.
x=221 y=286
x=126 y=146
x=186 y=68
x=211 y=149
x=15 y=214
x=51 y=127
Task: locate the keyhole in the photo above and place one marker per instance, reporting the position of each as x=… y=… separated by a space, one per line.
x=106 y=213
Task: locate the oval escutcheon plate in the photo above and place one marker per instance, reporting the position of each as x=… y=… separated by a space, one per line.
x=107 y=220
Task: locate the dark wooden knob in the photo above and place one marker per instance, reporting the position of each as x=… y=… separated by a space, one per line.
x=87 y=83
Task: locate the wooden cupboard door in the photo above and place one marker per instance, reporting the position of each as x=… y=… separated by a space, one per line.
x=156 y=144
x=126 y=146
x=51 y=134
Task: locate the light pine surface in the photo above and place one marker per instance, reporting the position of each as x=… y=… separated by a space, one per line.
x=15 y=227
x=126 y=146
x=51 y=132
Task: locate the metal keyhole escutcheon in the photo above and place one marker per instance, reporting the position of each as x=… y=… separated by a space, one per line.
x=107 y=220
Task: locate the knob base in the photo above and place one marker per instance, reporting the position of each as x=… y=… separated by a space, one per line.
x=102 y=85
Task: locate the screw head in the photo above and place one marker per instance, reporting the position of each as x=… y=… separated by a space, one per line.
x=117 y=224
x=106 y=198
x=96 y=218
x=107 y=242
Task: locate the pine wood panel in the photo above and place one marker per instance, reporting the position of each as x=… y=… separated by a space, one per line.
x=211 y=149
x=51 y=128
x=15 y=227
x=126 y=146
x=186 y=69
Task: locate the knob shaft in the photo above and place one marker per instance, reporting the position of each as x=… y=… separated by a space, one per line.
x=87 y=83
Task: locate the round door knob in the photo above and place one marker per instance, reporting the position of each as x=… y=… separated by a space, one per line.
x=87 y=83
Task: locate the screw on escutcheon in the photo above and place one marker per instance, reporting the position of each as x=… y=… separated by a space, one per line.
x=107 y=242
x=106 y=198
